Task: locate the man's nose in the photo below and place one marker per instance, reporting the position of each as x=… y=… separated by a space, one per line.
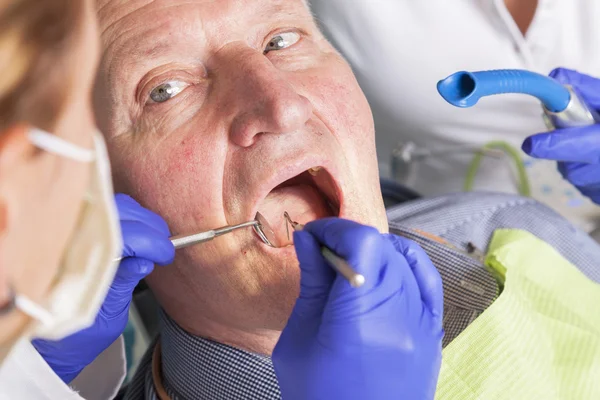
x=265 y=99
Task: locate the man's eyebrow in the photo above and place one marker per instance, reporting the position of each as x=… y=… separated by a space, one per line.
x=137 y=50
x=153 y=51
x=138 y=45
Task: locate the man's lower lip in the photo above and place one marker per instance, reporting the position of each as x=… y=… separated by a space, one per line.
x=277 y=251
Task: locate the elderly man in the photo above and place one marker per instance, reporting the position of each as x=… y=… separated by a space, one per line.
x=215 y=110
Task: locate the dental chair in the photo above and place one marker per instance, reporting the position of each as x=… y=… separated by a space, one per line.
x=395 y=193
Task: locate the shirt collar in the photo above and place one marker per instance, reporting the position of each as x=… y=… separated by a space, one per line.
x=198 y=368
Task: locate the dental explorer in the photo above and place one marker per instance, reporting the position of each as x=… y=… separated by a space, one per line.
x=182 y=241
x=337 y=263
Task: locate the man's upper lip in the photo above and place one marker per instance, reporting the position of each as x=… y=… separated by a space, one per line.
x=282 y=173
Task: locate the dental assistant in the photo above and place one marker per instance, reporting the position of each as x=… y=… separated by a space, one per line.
x=399 y=49
x=59 y=231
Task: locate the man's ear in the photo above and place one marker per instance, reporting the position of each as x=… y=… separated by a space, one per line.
x=15 y=148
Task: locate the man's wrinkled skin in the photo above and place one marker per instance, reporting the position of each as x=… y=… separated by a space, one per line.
x=207 y=156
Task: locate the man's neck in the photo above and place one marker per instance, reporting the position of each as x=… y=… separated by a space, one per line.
x=257 y=341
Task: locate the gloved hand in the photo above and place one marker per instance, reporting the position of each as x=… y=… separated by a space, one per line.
x=380 y=341
x=577 y=150
x=146 y=242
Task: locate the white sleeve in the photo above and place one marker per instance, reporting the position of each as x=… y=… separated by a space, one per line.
x=102 y=379
x=25 y=375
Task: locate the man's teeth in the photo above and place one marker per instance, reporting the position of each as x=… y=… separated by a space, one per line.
x=314 y=170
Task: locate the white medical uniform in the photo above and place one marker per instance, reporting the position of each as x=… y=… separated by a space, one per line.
x=25 y=375
x=399 y=49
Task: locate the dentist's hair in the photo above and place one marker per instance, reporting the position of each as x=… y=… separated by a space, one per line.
x=37 y=43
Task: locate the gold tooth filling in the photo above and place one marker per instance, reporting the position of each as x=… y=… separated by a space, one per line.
x=314 y=170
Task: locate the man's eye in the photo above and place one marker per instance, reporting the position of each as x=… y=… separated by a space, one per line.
x=281 y=41
x=167 y=91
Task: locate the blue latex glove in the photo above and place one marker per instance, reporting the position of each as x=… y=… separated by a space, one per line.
x=380 y=341
x=577 y=150
x=146 y=242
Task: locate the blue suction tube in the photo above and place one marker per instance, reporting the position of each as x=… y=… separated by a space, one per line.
x=563 y=106
x=464 y=89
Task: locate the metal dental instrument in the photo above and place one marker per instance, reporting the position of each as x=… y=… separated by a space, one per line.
x=339 y=264
x=264 y=231
x=181 y=241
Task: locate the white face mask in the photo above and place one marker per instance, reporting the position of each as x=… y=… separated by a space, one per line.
x=88 y=265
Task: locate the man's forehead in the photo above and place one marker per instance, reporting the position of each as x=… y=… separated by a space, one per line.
x=139 y=27
x=111 y=12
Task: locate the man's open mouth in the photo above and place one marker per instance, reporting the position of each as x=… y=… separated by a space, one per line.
x=311 y=195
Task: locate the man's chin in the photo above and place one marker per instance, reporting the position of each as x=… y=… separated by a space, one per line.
x=245 y=303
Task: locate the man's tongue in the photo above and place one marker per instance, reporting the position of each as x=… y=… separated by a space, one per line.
x=304 y=203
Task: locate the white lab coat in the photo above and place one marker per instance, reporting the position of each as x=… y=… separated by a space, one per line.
x=25 y=375
x=400 y=49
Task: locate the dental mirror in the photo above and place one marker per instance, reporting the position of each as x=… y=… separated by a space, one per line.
x=264 y=231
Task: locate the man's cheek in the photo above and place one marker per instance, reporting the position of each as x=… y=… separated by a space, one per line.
x=190 y=163
x=354 y=116
x=346 y=110
x=348 y=113
x=336 y=96
x=190 y=184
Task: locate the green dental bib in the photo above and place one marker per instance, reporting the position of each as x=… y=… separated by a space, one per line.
x=540 y=339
